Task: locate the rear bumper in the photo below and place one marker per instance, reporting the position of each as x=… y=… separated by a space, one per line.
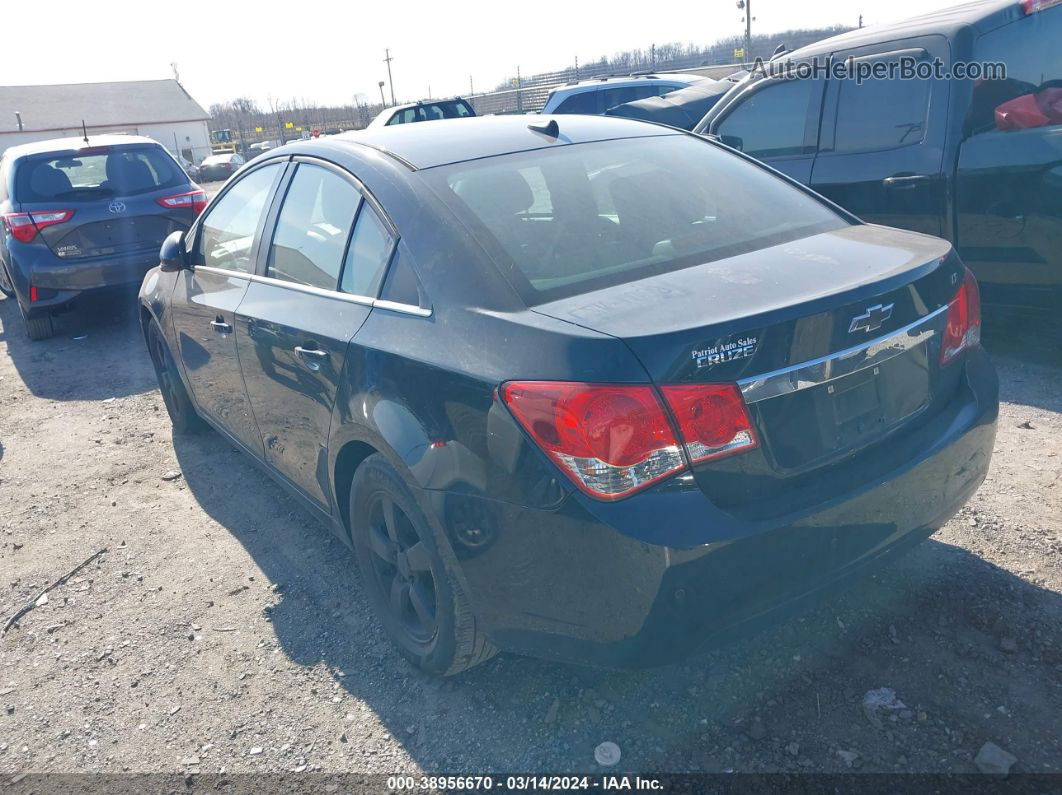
x=647 y=580
x=61 y=281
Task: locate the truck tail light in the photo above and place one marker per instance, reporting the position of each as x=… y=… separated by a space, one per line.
x=612 y=440
x=196 y=200
x=963 y=330
x=712 y=418
x=24 y=226
x=1032 y=6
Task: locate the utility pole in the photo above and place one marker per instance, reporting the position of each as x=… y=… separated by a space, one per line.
x=652 y=56
x=746 y=6
x=471 y=91
x=519 y=99
x=860 y=20
x=576 y=68
x=748 y=31
x=390 y=82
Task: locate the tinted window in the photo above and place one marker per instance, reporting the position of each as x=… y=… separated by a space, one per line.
x=227 y=232
x=567 y=220
x=772 y=121
x=881 y=114
x=585 y=102
x=312 y=228
x=1031 y=49
x=370 y=248
x=402 y=284
x=97 y=172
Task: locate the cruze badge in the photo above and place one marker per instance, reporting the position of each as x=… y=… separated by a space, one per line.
x=725 y=352
x=116 y=207
x=872 y=319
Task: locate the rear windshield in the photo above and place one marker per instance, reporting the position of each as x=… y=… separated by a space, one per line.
x=96 y=172
x=571 y=219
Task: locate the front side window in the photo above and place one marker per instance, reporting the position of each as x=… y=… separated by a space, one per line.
x=881 y=114
x=772 y=121
x=226 y=236
x=312 y=228
x=571 y=219
x=370 y=249
x=96 y=173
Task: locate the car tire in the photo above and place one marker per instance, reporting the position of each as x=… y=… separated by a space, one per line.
x=183 y=416
x=7 y=288
x=38 y=328
x=416 y=596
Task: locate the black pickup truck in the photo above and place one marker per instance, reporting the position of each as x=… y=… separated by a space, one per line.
x=975 y=160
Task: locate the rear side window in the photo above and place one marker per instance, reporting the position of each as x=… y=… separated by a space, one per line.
x=226 y=236
x=1031 y=48
x=312 y=228
x=773 y=121
x=881 y=114
x=96 y=173
x=568 y=220
x=370 y=249
x=584 y=102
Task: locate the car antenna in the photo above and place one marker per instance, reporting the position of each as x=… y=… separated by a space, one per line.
x=551 y=128
x=84 y=132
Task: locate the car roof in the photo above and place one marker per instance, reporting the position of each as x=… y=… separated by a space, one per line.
x=75 y=144
x=611 y=81
x=981 y=15
x=429 y=144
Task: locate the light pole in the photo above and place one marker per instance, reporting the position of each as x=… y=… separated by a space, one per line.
x=390 y=82
x=746 y=5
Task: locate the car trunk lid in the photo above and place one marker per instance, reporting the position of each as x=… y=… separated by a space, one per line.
x=829 y=337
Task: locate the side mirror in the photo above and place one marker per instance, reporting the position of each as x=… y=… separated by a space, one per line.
x=733 y=141
x=173 y=256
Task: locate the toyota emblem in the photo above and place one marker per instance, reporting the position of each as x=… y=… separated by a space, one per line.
x=116 y=207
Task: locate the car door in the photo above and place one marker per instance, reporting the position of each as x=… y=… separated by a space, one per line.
x=205 y=298
x=319 y=274
x=776 y=121
x=881 y=151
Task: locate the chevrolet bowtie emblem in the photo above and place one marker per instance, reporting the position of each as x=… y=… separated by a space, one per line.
x=872 y=319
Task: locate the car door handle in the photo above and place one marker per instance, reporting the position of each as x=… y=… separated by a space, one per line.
x=221 y=326
x=905 y=182
x=311 y=356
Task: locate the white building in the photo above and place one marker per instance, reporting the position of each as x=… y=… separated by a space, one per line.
x=159 y=109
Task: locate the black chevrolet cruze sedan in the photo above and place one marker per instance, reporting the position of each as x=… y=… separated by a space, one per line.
x=584 y=388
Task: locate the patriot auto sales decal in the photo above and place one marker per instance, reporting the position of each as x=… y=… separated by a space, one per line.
x=725 y=352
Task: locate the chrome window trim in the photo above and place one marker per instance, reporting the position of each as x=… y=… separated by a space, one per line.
x=362 y=300
x=245 y=275
x=398 y=306
x=851 y=360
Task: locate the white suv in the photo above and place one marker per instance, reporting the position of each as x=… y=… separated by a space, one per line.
x=596 y=96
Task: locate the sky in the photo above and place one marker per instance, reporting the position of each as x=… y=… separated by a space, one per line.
x=327 y=52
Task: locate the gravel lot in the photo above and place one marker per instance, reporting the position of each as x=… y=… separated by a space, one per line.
x=223 y=630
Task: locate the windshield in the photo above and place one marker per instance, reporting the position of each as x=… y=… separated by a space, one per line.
x=96 y=172
x=572 y=219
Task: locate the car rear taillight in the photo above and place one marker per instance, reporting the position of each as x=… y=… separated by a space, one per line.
x=196 y=200
x=1032 y=6
x=963 y=330
x=611 y=440
x=24 y=226
x=614 y=439
x=712 y=418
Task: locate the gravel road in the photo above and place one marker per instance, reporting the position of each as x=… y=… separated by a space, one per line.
x=223 y=630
